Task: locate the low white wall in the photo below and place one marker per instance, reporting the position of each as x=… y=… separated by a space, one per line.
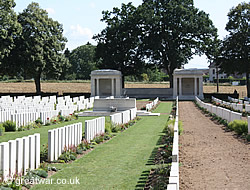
x=16 y=156
x=174 y=172
x=221 y=112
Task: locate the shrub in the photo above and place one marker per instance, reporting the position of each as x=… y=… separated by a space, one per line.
x=239 y=126
x=248 y=138
x=9 y=126
x=108 y=127
x=40 y=173
x=2 y=129
x=61 y=118
x=67 y=156
x=39 y=121
x=169 y=128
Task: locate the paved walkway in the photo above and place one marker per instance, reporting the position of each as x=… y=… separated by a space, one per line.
x=210 y=157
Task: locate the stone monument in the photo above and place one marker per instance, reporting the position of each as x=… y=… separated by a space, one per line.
x=106 y=82
x=188 y=83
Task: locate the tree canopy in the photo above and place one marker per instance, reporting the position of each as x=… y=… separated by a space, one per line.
x=82 y=60
x=38 y=50
x=163 y=32
x=118 y=44
x=9 y=27
x=235 y=51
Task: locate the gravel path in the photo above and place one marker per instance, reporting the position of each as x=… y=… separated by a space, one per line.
x=210 y=157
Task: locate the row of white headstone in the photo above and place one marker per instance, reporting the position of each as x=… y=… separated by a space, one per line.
x=123 y=117
x=235 y=100
x=219 y=111
x=94 y=127
x=236 y=106
x=152 y=104
x=16 y=156
x=62 y=139
x=25 y=110
x=174 y=171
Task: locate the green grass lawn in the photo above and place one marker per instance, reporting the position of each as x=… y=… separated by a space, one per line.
x=164 y=107
x=43 y=131
x=121 y=163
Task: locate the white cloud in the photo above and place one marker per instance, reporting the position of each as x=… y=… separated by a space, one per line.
x=78 y=35
x=51 y=11
x=79 y=31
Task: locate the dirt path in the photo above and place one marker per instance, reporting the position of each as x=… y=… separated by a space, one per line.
x=210 y=157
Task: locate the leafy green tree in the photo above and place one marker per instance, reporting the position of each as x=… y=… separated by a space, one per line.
x=39 y=49
x=9 y=27
x=163 y=32
x=83 y=61
x=175 y=31
x=235 y=51
x=118 y=43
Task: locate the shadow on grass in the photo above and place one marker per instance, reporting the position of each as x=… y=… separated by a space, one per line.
x=142 y=180
x=145 y=174
x=159 y=142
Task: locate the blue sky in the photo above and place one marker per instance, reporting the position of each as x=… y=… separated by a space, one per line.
x=81 y=18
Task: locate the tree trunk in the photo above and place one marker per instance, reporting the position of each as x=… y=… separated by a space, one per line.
x=38 y=83
x=171 y=80
x=248 y=84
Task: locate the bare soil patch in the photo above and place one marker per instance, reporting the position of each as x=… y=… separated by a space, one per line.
x=141 y=104
x=84 y=87
x=210 y=157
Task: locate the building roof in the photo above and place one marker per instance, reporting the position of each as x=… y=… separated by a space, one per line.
x=106 y=72
x=188 y=71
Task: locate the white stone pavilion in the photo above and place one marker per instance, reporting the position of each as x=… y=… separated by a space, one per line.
x=106 y=82
x=188 y=83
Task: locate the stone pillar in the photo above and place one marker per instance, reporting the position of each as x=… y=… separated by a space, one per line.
x=195 y=86
x=201 y=86
x=97 y=87
x=180 y=87
x=112 y=87
x=92 y=86
x=175 y=87
x=118 y=87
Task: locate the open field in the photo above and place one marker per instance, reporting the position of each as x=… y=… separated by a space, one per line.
x=84 y=87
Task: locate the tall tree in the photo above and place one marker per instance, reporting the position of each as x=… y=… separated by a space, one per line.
x=118 y=43
x=83 y=62
x=175 y=31
x=163 y=32
x=235 y=51
x=39 y=49
x=9 y=27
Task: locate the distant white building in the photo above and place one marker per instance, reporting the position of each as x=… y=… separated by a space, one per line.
x=213 y=73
